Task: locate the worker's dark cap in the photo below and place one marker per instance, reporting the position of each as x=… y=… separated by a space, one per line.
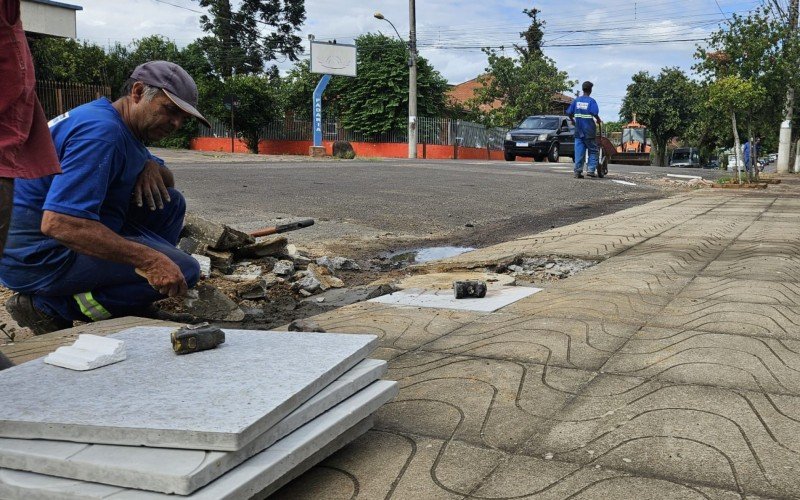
x=174 y=81
x=587 y=86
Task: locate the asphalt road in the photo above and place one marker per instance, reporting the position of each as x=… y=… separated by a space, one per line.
x=405 y=203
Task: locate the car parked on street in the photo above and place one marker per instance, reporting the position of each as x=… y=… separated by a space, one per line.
x=685 y=157
x=540 y=137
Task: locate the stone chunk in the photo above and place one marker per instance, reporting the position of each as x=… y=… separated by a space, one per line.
x=322 y=276
x=338 y=263
x=252 y=290
x=213 y=305
x=264 y=247
x=305 y=325
x=87 y=353
x=221 y=260
x=213 y=234
x=344 y=150
x=283 y=268
x=191 y=246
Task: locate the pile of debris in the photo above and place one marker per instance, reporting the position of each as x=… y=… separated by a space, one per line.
x=245 y=279
x=544 y=269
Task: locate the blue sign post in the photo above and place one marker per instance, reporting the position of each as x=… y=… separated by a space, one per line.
x=317 y=111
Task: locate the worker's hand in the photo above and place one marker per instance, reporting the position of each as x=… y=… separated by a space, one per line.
x=150 y=187
x=165 y=276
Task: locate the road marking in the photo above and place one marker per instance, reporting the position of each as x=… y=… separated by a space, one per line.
x=626 y=183
x=684 y=176
x=562 y=168
x=642 y=173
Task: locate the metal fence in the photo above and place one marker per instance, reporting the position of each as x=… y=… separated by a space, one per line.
x=436 y=131
x=59 y=97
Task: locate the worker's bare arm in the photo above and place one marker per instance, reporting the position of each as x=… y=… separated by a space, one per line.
x=94 y=239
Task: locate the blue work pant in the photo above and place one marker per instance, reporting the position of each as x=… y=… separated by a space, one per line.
x=93 y=289
x=583 y=144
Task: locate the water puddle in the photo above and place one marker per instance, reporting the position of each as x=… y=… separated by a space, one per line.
x=421 y=255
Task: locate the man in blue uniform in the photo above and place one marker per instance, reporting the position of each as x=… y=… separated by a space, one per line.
x=583 y=112
x=82 y=245
x=747 y=153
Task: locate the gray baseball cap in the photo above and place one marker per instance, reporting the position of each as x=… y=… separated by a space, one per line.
x=174 y=81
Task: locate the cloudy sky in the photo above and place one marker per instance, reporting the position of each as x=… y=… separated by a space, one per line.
x=604 y=41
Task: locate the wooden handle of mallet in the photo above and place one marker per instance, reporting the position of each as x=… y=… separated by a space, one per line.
x=282 y=228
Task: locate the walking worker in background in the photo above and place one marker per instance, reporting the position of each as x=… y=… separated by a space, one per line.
x=583 y=112
x=747 y=153
x=82 y=245
x=26 y=149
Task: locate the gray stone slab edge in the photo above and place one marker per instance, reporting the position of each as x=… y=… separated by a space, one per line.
x=243 y=482
x=340 y=442
x=165 y=470
x=223 y=437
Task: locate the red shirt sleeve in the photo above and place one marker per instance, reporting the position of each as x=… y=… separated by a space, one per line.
x=26 y=148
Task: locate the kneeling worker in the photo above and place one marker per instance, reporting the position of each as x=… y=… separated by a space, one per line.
x=81 y=245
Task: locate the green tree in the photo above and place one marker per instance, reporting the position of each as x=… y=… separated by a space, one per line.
x=756 y=51
x=524 y=84
x=258 y=99
x=377 y=99
x=666 y=103
x=735 y=95
x=243 y=40
x=298 y=90
x=67 y=60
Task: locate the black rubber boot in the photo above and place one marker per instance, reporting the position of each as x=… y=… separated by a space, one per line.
x=21 y=308
x=5 y=362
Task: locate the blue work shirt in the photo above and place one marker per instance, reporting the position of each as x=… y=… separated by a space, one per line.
x=747 y=152
x=584 y=109
x=100 y=163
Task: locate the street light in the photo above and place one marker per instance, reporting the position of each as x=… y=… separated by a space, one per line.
x=412 y=75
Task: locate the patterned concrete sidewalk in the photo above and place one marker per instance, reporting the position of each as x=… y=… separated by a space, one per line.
x=669 y=370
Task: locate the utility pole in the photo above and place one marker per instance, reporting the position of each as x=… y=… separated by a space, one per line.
x=785 y=144
x=412 y=79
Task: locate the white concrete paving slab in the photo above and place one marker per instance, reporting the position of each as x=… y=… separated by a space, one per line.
x=243 y=482
x=220 y=399
x=171 y=470
x=444 y=299
x=89 y=352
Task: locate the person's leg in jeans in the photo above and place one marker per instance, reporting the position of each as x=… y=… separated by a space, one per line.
x=97 y=289
x=580 y=154
x=591 y=146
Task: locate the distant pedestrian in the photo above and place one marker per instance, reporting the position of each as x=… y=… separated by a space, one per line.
x=26 y=148
x=583 y=112
x=747 y=159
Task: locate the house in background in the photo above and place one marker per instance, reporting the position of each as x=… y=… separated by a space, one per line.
x=463 y=92
x=49 y=18
x=46 y=19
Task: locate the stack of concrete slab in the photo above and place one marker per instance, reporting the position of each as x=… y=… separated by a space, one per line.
x=238 y=421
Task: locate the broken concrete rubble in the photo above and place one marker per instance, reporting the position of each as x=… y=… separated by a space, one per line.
x=213 y=234
x=305 y=325
x=338 y=263
x=283 y=268
x=213 y=305
x=264 y=247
